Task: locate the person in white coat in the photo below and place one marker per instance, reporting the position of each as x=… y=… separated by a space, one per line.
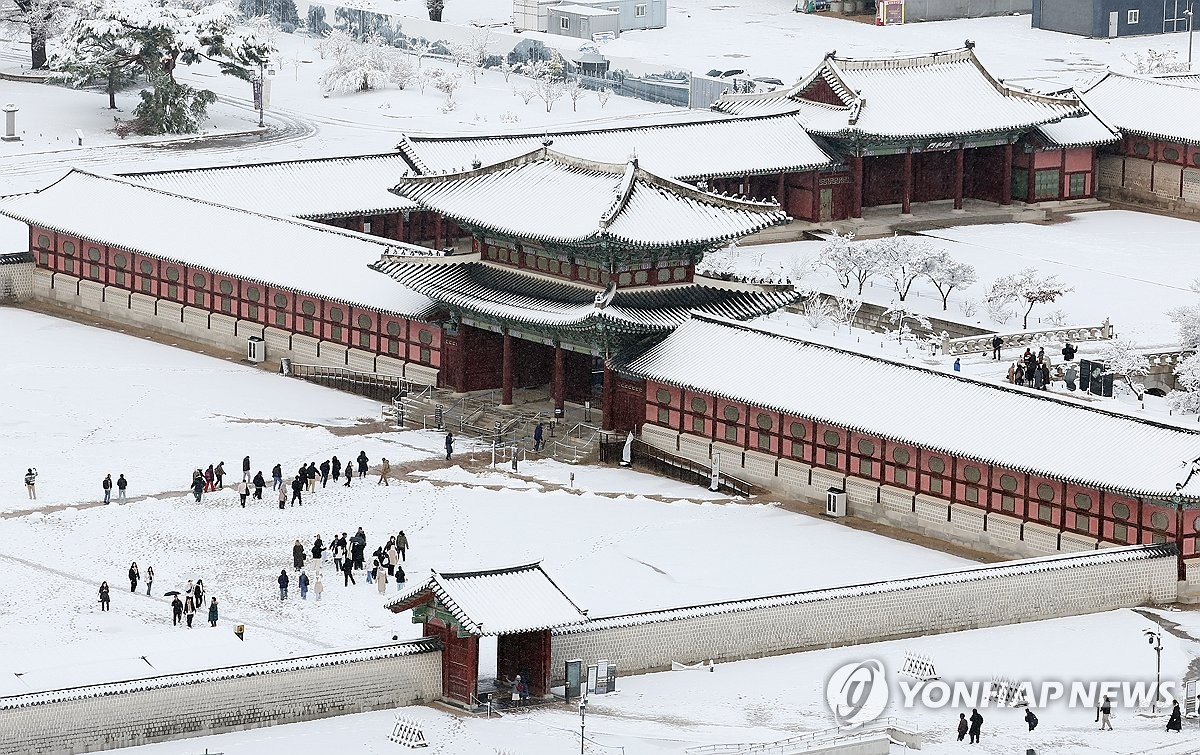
x=381 y=579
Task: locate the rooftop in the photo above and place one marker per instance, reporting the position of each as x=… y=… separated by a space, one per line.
x=496 y=601
x=939 y=410
x=582 y=10
x=551 y=197
x=939 y=95
x=295 y=254
x=1153 y=108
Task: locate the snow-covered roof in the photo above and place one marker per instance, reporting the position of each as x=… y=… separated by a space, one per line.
x=313 y=189
x=1086 y=130
x=938 y=411
x=1153 y=108
x=550 y=197
x=958 y=576
x=411 y=647
x=940 y=95
x=497 y=601
x=684 y=151
x=520 y=297
x=581 y=10
x=296 y=254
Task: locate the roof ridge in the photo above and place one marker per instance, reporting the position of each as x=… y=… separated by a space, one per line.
x=489 y=572
x=268 y=163
x=1062 y=400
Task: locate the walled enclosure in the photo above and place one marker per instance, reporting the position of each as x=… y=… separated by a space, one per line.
x=973 y=598
x=127 y=714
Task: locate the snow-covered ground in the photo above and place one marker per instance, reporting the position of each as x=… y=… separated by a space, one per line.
x=84 y=402
x=775 y=698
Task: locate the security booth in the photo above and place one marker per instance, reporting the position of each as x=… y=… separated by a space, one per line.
x=518 y=605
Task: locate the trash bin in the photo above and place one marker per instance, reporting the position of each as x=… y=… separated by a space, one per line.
x=256 y=350
x=835 y=502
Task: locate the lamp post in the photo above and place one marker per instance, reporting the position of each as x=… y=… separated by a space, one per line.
x=1188 y=13
x=1154 y=637
x=262 y=91
x=582 y=718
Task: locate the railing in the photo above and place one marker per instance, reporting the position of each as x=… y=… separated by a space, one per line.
x=384 y=388
x=983 y=343
x=808 y=740
x=655 y=460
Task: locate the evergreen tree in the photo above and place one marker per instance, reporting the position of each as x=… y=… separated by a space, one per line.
x=316 y=21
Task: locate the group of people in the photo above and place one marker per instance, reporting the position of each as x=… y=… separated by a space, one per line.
x=348 y=554
x=1032 y=370
x=972 y=727
x=305 y=480
x=107 y=486
x=193 y=600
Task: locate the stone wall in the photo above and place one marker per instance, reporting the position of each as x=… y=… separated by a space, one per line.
x=209 y=328
x=16 y=277
x=983 y=596
x=127 y=714
x=1153 y=184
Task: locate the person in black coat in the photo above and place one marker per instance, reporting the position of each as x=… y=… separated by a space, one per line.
x=310 y=474
x=318 y=548
x=1175 y=722
x=449 y=445
x=176 y=611
x=336 y=469
x=348 y=572
x=246 y=469
x=362 y=463
x=283 y=584
x=976 y=726
x=997 y=342
x=1031 y=719
x=198 y=487
x=104 y=607
x=324 y=472
x=276 y=477
x=259 y=483
x=1068 y=352
x=297 y=490
x=349 y=474
x=134 y=576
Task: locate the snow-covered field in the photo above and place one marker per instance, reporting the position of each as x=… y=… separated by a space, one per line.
x=83 y=402
x=775 y=698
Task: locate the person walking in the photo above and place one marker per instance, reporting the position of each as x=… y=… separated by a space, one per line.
x=962 y=726
x=957 y=364
x=104 y=596
x=997 y=342
x=402 y=544
x=243 y=492
x=149 y=578
x=362 y=463
x=209 y=477
x=349 y=474
x=283 y=584
x=537 y=437
x=189 y=610
x=106 y=484
x=283 y=496
x=400 y=577
x=246 y=469
x=219 y=475
x=1174 y=723
x=976 y=726
x=371 y=571
x=298 y=555
x=176 y=611
x=449 y=444
x=318 y=587
x=198 y=487
x=381 y=580
x=122 y=483
x=31 y=483
x=303 y=582
x=259 y=484
x=297 y=490
x=339 y=552
x=318 y=548
x=1105 y=714
x=384 y=470
x=393 y=555
x=212 y=613
x=348 y=572
x=198 y=593
x=336 y=469
x=276 y=477
x=310 y=475
x=134 y=576
x=1031 y=719
x=324 y=472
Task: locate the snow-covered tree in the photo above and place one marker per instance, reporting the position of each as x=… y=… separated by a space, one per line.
x=575 y=93
x=816 y=311
x=40 y=20
x=446 y=82
x=419 y=49
x=903 y=259
x=845 y=310
x=435 y=8
x=1122 y=357
x=1186 y=400
x=279 y=11
x=316 y=22
x=905 y=319
x=544 y=84
x=476 y=51
x=603 y=96
x=335 y=44
x=1028 y=287
x=363 y=67
x=506 y=69
x=947 y=274
x=1156 y=62
x=850 y=260
x=116 y=39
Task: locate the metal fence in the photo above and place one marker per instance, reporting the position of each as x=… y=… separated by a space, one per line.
x=646 y=457
x=383 y=388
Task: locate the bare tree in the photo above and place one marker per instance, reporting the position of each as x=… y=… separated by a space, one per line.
x=947 y=274
x=1029 y=288
x=603 y=96
x=477 y=48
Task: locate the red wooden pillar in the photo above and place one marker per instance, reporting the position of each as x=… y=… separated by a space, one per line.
x=437 y=231
x=856 y=188
x=958 y=178
x=558 y=381
x=1031 y=183
x=607 y=422
x=1006 y=175
x=781 y=191
x=400 y=227
x=906 y=201
x=506 y=377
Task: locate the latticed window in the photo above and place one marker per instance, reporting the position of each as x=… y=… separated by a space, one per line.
x=69 y=257
x=93 y=263
x=281 y=302
x=120 y=262
x=364 y=331
x=147 y=269
x=1046 y=184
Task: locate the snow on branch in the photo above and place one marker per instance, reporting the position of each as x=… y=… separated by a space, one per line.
x=1028 y=287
